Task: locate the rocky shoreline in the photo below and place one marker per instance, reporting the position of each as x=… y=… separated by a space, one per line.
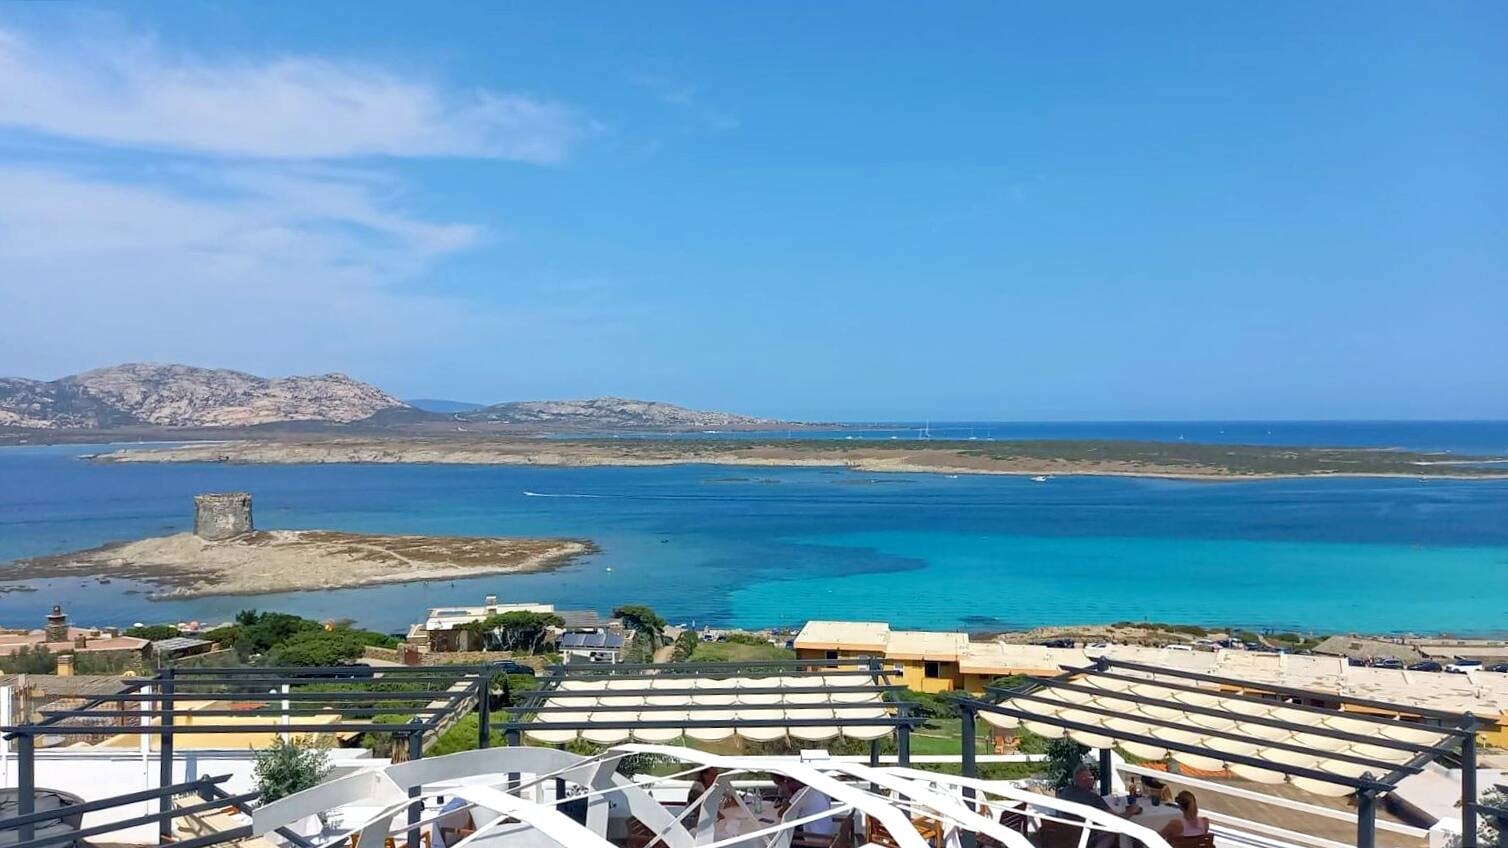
x=274 y=561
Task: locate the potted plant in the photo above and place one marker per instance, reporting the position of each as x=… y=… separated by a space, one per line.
x=291 y=765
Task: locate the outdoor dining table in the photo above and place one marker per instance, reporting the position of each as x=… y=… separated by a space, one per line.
x=1152 y=817
x=736 y=820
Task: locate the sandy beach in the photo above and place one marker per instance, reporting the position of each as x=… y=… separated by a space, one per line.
x=268 y=561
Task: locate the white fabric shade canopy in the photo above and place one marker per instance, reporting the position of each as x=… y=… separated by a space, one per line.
x=1227 y=731
x=712 y=709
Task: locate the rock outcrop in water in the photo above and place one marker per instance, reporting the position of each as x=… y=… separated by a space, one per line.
x=184 y=396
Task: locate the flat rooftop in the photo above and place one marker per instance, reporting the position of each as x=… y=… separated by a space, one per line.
x=844 y=635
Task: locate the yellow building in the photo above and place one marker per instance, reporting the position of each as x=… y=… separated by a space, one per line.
x=942 y=661
x=981 y=663
x=842 y=640
x=930 y=661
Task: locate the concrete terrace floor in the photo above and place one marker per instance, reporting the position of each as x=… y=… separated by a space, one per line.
x=1295 y=820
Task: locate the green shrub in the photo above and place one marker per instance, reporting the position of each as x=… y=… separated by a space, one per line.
x=108 y=662
x=29 y=660
x=316 y=648
x=153 y=632
x=685 y=646
x=1063 y=757
x=931 y=705
x=380 y=743
x=289 y=766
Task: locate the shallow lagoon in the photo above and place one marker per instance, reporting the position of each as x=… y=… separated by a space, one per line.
x=776 y=546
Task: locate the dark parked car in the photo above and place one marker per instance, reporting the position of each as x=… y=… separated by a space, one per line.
x=1500 y=668
x=1057 y=643
x=1427 y=665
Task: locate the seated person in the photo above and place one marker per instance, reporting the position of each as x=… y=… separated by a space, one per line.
x=700 y=786
x=1190 y=823
x=1082 y=791
x=810 y=803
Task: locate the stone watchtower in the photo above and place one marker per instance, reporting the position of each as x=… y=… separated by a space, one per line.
x=222 y=515
x=57 y=626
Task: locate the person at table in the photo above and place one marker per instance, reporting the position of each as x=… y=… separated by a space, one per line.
x=1189 y=823
x=810 y=804
x=1082 y=791
x=700 y=786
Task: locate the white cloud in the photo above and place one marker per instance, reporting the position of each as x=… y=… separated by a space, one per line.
x=231 y=236
x=130 y=92
x=279 y=273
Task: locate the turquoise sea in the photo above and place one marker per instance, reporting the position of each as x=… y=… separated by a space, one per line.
x=736 y=546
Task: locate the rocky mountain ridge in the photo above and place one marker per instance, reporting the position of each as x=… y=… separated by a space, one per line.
x=184 y=396
x=144 y=399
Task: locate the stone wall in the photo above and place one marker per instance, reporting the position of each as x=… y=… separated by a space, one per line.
x=222 y=515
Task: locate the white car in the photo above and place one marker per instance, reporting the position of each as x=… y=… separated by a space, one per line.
x=1461 y=666
x=1097 y=649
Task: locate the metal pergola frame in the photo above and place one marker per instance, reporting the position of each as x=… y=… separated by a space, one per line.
x=158 y=697
x=1458 y=730
x=871 y=670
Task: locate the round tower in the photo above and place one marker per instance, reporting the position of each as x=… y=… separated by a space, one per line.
x=222 y=515
x=57 y=626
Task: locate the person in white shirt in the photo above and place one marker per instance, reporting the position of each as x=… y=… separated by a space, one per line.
x=807 y=803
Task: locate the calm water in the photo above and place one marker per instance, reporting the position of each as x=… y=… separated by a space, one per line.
x=776 y=546
x=1482 y=438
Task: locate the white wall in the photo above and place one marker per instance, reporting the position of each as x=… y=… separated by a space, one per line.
x=94 y=774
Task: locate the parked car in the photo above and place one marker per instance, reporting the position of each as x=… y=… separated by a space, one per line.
x=1057 y=643
x=1500 y=668
x=1426 y=665
x=1097 y=649
x=1461 y=666
x=1387 y=662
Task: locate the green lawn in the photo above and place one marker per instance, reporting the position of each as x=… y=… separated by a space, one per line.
x=943 y=736
x=738 y=652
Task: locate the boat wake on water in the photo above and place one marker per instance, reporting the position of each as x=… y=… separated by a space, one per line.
x=529 y=494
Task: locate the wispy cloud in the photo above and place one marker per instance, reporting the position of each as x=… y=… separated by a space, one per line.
x=277 y=272
x=131 y=92
x=253 y=221
x=686 y=97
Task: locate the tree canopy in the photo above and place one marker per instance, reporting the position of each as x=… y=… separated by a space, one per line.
x=153 y=632
x=284 y=639
x=317 y=648
x=648 y=627
x=29 y=660
x=518 y=630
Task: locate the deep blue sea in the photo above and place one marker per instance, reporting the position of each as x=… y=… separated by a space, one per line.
x=757 y=546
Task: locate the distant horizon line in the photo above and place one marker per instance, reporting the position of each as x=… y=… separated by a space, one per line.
x=976 y=421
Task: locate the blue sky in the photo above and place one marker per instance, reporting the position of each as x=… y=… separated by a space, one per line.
x=821 y=211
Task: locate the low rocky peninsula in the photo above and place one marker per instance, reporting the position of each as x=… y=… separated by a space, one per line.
x=1030 y=458
x=185 y=565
